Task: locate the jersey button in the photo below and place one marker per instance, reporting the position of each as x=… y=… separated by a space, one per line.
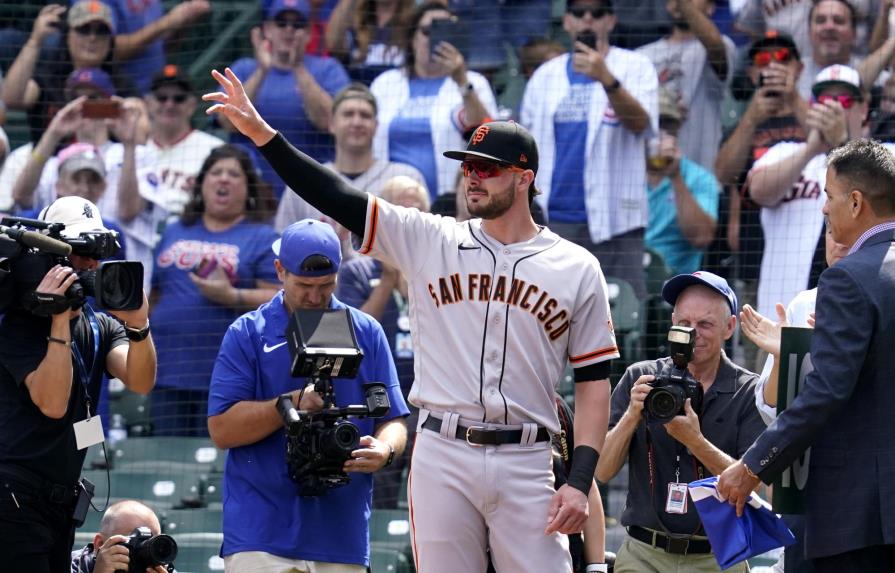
x=506 y=251
x=506 y=266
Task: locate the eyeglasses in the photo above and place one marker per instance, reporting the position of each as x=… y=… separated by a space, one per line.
x=780 y=55
x=845 y=100
x=486 y=169
x=165 y=98
x=596 y=12
x=96 y=29
x=283 y=23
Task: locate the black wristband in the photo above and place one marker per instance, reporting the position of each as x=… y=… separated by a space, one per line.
x=613 y=86
x=391 y=456
x=584 y=463
x=59 y=340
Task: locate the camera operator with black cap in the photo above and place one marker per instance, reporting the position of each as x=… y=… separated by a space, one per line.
x=267 y=525
x=50 y=372
x=664 y=530
x=108 y=551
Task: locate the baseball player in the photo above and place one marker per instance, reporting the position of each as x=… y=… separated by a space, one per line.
x=498 y=306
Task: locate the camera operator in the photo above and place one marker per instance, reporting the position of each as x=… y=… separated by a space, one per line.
x=107 y=554
x=266 y=524
x=50 y=372
x=664 y=530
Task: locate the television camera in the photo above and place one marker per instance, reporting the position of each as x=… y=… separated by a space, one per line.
x=323 y=346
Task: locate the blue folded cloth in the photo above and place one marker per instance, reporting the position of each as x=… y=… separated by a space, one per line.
x=733 y=538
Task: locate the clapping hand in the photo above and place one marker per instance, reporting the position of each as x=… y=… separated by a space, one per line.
x=764 y=332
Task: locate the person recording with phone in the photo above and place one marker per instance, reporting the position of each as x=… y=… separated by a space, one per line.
x=267 y=525
x=710 y=426
x=51 y=364
x=682 y=195
x=592 y=111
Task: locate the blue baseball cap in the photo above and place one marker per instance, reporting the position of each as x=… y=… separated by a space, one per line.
x=675 y=286
x=305 y=239
x=91 y=77
x=273 y=8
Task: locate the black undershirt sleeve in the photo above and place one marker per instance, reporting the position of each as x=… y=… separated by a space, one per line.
x=598 y=371
x=317 y=185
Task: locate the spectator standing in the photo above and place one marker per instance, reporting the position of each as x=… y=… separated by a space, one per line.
x=267 y=525
x=775 y=113
x=695 y=63
x=843 y=409
x=209 y=267
x=428 y=105
x=369 y=35
x=682 y=195
x=353 y=127
x=291 y=87
x=664 y=457
x=36 y=83
x=592 y=112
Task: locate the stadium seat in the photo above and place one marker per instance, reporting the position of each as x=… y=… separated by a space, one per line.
x=387 y=560
x=391 y=528
x=198 y=520
x=158 y=490
x=167 y=455
x=210 y=490
x=658 y=312
x=627 y=319
x=133 y=407
x=199 y=553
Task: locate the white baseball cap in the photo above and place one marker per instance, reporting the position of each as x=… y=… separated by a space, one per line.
x=77 y=214
x=837 y=75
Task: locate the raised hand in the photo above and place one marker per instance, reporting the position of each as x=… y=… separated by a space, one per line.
x=234 y=104
x=764 y=332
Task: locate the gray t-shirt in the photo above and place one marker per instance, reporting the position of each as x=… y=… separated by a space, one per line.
x=684 y=70
x=729 y=420
x=293 y=208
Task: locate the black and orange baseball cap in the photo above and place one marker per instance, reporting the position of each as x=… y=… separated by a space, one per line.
x=504 y=142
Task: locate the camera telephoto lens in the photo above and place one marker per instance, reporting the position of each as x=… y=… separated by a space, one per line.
x=159 y=550
x=662 y=404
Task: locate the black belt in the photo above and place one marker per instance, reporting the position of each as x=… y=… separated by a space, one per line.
x=30 y=483
x=481 y=436
x=675 y=545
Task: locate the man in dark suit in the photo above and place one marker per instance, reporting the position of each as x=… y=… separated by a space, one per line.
x=845 y=409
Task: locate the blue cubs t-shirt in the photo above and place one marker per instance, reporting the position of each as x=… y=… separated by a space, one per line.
x=410 y=132
x=186 y=326
x=566 y=204
x=281 y=103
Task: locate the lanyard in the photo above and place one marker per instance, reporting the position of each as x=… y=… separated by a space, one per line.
x=79 y=358
x=651 y=463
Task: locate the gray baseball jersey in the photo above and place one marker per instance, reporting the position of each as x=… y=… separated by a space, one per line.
x=493 y=325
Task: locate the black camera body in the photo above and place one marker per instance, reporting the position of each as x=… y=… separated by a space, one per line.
x=674 y=383
x=30 y=248
x=147 y=550
x=319 y=443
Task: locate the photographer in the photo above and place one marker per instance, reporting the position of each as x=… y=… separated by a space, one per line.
x=266 y=523
x=664 y=530
x=50 y=372
x=107 y=552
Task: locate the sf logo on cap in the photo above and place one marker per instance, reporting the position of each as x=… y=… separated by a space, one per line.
x=480 y=134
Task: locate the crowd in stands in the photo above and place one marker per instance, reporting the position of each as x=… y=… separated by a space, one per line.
x=695 y=130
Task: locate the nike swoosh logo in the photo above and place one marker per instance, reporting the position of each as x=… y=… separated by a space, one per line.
x=468 y=248
x=272 y=348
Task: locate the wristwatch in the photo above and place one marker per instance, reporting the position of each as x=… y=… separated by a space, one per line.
x=613 y=86
x=391 y=456
x=136 y=334
x=467 y=89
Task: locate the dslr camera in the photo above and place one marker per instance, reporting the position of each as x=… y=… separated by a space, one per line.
x=674 y=383
x=323 y=346
x=147 y=550
x=31 y=247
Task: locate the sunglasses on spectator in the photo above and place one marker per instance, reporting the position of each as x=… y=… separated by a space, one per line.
x=176 y=98
x=283 y=23
x=596 y=12
x=845 y=100
x=95 y=29
x=486 y=169
x=780 y=55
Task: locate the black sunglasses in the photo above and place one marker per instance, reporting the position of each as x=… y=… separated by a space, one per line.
x=596 y=12
x=176 y=98
x=96 y=29
x=283 y=23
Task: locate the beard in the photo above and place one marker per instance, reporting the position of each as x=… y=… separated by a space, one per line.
x=498 y=203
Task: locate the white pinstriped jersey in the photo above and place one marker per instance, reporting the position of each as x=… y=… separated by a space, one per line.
x=493 y=325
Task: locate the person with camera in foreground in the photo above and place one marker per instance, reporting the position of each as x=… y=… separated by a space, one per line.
x=320 y=523
x=52 y=358
x=677 y=420
x=128 y=538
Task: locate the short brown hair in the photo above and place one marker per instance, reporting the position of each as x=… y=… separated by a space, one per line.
x=870 y=168
x=355 y=90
